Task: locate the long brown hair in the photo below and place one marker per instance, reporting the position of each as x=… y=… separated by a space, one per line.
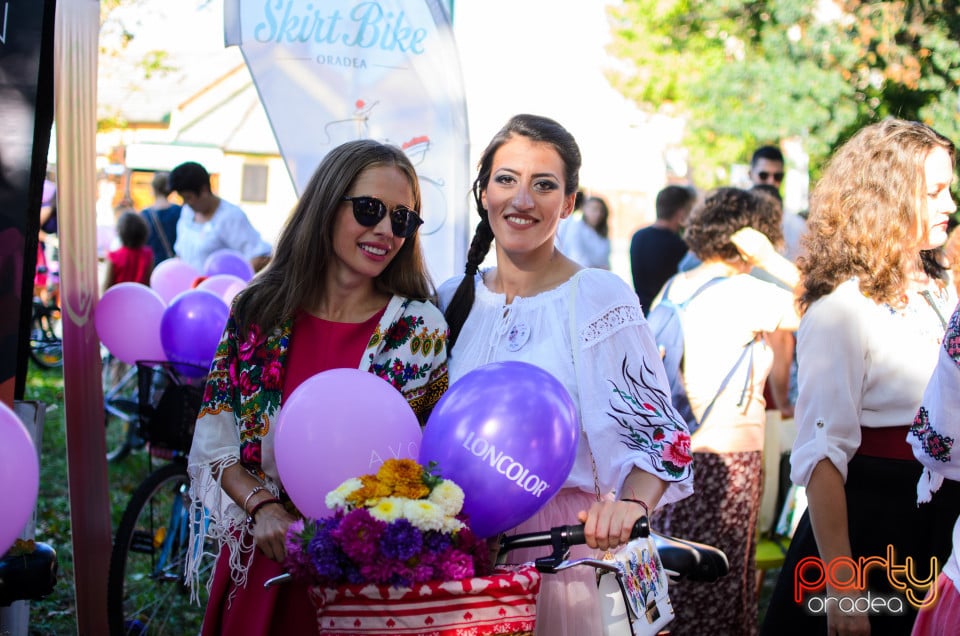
x=535 y=128
x=296 y=275
x=865 y=213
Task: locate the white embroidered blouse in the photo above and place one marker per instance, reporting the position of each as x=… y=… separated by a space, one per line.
x=620 y=387
x=860 y=364
x=936 y=429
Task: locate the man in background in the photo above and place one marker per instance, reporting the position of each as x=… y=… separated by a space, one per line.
x=656 y=250
x=209 y=224
x=767 y=169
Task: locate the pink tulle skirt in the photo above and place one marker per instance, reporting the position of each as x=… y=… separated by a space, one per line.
x=568 y=604
x=944 y=616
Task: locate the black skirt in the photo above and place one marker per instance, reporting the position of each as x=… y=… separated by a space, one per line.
x=881 y=511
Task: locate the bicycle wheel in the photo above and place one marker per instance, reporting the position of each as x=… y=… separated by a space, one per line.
x=46 y=347
x=121 y=425
x=146 y=593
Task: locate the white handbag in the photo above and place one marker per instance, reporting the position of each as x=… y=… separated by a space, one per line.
x=634 y=599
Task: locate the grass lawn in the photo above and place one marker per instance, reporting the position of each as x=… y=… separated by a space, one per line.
x=55 y=615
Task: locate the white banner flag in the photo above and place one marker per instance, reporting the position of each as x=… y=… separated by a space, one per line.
x=331 y=71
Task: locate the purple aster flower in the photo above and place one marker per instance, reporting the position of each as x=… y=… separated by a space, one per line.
x=436 y=542
x=456 y=565
x=359 y=534
x=326 y=556
x=401 y=540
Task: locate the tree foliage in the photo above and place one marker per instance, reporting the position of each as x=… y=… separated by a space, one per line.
x=748 y=72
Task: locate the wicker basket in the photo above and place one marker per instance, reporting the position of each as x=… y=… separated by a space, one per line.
x=169 y=401
x=503 y=603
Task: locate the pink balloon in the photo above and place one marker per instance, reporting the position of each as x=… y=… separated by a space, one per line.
x=20 y=472
x=336 y=425
x=228 y=262
x=127 y=319
x=225 y=286
x=171 y=277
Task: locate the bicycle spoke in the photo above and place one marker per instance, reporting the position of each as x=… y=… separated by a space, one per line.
x=147 y=592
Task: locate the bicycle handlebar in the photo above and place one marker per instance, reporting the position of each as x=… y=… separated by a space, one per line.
x=561 y=539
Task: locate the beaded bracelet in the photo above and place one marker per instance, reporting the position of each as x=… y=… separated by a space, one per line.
x=643 y=504
x=250 y=494
x=252 y=518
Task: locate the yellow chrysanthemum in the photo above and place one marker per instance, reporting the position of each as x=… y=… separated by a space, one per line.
x=448 y=496
x=388 y=509
x=337 y=498
x=404 y=477
x=371 y=491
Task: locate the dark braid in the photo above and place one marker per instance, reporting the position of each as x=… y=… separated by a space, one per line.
x=462 y=301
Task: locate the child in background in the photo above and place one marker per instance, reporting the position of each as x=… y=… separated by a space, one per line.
x=132 y=262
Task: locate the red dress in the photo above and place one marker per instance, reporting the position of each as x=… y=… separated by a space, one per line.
x=315 y=345
x=131 y=265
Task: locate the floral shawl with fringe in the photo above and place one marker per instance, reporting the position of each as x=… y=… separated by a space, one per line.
x=242 y=398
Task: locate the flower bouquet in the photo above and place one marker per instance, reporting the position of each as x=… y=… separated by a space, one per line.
x=398 y=557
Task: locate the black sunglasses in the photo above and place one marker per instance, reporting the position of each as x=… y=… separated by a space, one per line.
x=777 y=176
x=368 y=211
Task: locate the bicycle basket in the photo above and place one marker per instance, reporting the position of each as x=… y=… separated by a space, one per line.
x=503 y=603
x=169 y=400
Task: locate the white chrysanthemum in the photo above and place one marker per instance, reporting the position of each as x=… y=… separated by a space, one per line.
x=388 y=509
x=452 y=524
x=424 y=514
x=337 y=498
x=448 y=496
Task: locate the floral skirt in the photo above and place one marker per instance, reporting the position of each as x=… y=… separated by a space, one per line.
x=722 y=512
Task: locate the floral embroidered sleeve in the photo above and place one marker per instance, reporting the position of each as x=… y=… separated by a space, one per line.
x=625 y=397
x=937 y=427
x=411 y=353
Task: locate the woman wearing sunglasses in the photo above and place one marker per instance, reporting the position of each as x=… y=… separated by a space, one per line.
x=585 y=327
x=347 y=289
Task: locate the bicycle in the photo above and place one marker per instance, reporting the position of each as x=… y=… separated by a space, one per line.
x=146 y=590
x=46 y=345
x=120 y=407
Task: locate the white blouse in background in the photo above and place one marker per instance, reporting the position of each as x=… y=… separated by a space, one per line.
x=614 y=342
x=860 y=364
x=228 y=229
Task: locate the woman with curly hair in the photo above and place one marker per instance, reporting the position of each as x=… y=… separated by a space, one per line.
x=347 y=289
x=875 y=302
x=729 y=321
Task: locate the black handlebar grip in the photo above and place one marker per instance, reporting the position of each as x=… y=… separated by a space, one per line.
x=641 y=528
x=573 y=535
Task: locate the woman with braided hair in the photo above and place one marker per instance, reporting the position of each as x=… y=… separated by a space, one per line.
x=586 y=328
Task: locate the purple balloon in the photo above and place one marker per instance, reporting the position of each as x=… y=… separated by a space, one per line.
x=191 y=328
x=20 y=474
x=507 y=434
x=228 y=262
x=121 y=307
x=339 y=424
x=172 y=277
